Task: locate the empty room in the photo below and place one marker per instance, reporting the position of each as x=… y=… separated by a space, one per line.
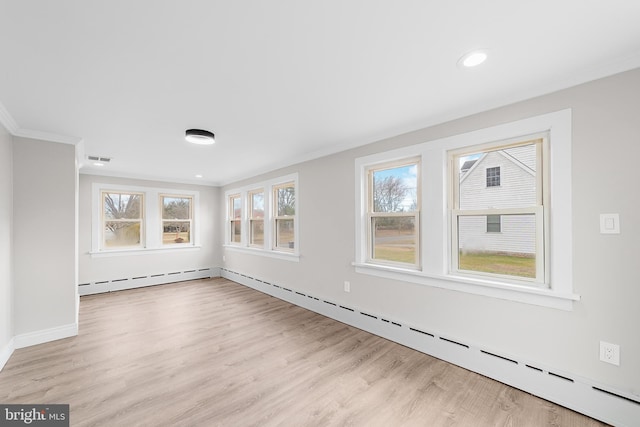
x=297 y=213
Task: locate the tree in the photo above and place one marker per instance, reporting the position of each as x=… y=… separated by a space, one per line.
x=286 y=201
x=389 y=193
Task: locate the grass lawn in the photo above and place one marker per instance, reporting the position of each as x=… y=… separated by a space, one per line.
x=397 y=254
x=499 y=264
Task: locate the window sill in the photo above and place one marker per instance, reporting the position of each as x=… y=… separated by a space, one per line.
x=142 y=251
x=484 y=287
x=288 y=256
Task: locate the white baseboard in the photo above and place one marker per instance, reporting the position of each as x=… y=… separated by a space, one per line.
x=583 y=395
x=6 y=352
x=101 y=286
x=46 y=335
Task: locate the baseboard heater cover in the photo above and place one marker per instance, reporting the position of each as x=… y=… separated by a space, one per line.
x=577 y=393
x=123 y=283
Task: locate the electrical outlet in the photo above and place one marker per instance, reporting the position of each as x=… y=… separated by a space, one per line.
x=347 y=286
x=610 y=353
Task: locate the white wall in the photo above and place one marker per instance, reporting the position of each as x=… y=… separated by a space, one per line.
x=44 y=240
x=101 y=268
x=606 y=149
x=6 y=256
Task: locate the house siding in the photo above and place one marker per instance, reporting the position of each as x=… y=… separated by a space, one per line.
x=517 y=189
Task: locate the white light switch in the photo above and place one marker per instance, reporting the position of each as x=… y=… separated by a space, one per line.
x=609 y=224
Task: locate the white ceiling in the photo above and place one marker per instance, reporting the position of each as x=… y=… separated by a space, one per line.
x=284 y=80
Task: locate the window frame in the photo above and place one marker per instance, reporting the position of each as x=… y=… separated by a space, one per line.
x=372 y=214
x=105 y=220
x=161 y=198
x=493 y=180
x=541 y=141
x=270 y=209
x=152 y=239
x=252 y=219
x=436 y=221
x=499 y=222
x=233 y=220
x=276 y=217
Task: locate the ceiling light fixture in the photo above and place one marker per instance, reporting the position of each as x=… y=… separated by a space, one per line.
x=472 y=59
x=199 y=136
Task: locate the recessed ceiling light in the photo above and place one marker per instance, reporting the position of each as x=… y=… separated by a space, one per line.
x=200 y=136
x=198 y=176
x=472 y=59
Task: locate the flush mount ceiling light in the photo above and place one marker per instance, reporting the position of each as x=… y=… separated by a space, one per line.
x=472 y=59
x=199 y=136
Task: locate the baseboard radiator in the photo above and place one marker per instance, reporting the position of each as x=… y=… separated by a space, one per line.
x=122 y=283
x=598 y=401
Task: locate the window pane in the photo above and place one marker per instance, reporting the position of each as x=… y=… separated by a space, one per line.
x=236 y=206
x=257 y=205
x=493 y=177
x=511 y=252
x=257 y=232
x=176 y=207
x=504 y=178
x=285 y=233
x=286 y=200
x=176 y=232
x=493 y=223
x=121 y=233
x=395 y=189
x=394 y=239
x=236 y=231
x=122 y=206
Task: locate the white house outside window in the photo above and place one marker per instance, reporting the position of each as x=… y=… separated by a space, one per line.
x=498 y=221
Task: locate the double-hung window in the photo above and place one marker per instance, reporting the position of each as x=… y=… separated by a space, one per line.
x=487 y=228
x=235 y=218
x=498 y=210
x=122 y=219
x=262 y=218
x=284 y=216
x=393 y=214
x=177 y=219
x=256 y=218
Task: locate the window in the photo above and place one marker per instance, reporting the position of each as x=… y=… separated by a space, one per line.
x=393 y=213
x=494 y=223
x=235 y=218
x=496 y=237
x=177 y=218
x=256 y=218
x=284 y=215
x=122 y=218
x=493 y=177
x=500 y=232
x=262 y=218
x=122 y=215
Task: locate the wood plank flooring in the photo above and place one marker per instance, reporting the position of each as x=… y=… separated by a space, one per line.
x=215 y=353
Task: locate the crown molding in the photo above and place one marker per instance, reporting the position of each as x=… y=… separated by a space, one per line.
x=47 y=136
x=7 y=120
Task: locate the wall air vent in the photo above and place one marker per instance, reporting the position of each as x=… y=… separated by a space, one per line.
x=99 y=159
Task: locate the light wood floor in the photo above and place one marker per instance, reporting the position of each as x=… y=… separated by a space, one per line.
x=215 y=353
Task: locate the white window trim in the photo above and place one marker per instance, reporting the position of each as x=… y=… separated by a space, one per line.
x=152 y=220
x=435 y=233
x=370 y=170
x=269 y=233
